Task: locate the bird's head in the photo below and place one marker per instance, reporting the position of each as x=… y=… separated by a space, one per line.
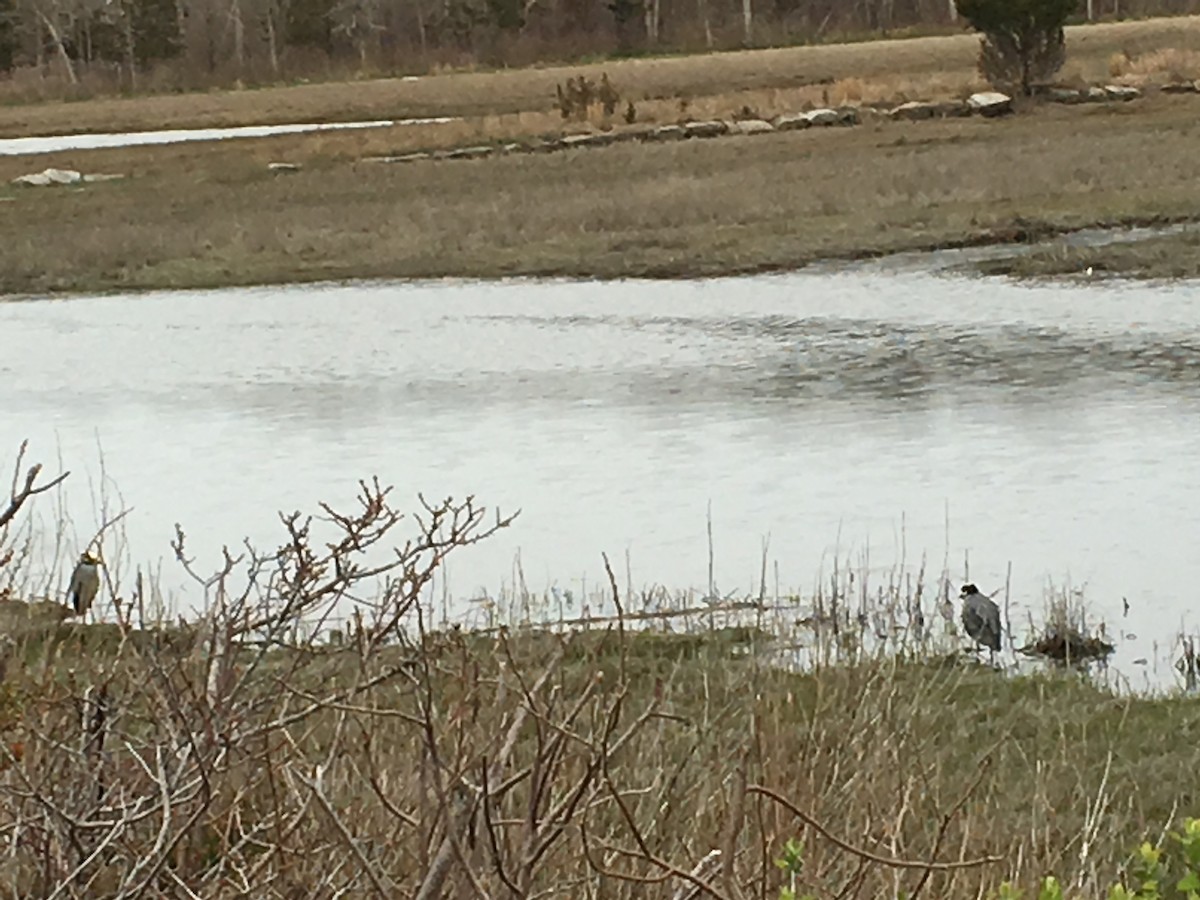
x=91 y=559
x=969 y=590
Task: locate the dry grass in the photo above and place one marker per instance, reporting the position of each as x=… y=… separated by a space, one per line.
x=410 y=761
x=1163 y=257
x=1170 y=64
x=196 y=215
x=911 y=68
x=879 y=752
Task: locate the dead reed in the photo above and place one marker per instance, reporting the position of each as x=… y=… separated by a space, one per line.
x=1166 y=256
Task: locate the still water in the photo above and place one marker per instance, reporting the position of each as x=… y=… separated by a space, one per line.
x=873 y=415
x=57 y=143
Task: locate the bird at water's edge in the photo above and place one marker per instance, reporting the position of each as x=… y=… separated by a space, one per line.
x=980 y=617
x=85 y=583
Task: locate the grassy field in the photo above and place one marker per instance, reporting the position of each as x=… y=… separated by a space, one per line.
x=206 y=215
x=196 y=215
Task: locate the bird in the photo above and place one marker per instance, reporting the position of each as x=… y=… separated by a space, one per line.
x=85 y=583
x=980 y=617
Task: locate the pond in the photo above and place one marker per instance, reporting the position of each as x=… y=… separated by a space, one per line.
x=57 y=143
x=863 y=414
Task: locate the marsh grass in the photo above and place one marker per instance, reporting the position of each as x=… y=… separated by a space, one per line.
x=247 y=752
x=1166 y=256
x=193 y=216
x=208 y=215
x=1065 y=634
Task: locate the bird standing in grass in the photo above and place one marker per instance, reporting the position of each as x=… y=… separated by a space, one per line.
x=85 y=583
x=980 y=617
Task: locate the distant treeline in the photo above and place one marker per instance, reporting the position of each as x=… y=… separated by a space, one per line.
x=181 y=44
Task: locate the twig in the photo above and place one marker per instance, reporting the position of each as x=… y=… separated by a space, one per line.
x=29 y=488
x=858 y=851
x=950 y=814
x=348 y=839
x=703 y=869
x=620 y=613
x=733 y=827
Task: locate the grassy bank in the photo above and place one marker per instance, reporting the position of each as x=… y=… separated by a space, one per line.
x=195 y=215
x=608 y=760
x=245 y=751
x=1158 y=258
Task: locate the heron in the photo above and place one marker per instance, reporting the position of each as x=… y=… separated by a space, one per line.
x=85 y=583
x=980 y=617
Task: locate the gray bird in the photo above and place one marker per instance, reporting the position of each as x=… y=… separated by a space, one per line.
x=980 y=617
x=85 y=583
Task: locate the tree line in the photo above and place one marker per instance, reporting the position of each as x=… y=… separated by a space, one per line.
x=206 y=42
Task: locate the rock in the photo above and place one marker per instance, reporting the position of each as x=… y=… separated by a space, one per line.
x=1179 y=87
x=667 y=133
x=874 y=113
x=571 y=141
x=751 y=126
x=792 y=122
x=705 y=129
x=636 y=133
x=847 y=115
x=822 y=117
x=102 y=177
x=407 y=157
x=1121 y=92
x=469 y=152
x=1095 y=95
x=1063 y=95
x=50 y=176
x=283 y=167
x=990 y=103
x=913 y=111
x=545 y=146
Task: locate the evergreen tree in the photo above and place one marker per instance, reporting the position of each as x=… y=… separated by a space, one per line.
x=8 y=34
x=1022 y=43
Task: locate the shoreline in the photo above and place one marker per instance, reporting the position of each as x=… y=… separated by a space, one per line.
x=1034 y=258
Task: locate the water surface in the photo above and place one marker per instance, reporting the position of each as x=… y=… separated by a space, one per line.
x=56 y=143
x=853 y=413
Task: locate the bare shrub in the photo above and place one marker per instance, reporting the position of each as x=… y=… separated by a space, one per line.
x=575 y=98
x=244 y=753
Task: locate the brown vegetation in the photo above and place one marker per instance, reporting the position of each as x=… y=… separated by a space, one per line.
x=255 y=751
x=193 y=215
x=1165 y=256
x=778 y=79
